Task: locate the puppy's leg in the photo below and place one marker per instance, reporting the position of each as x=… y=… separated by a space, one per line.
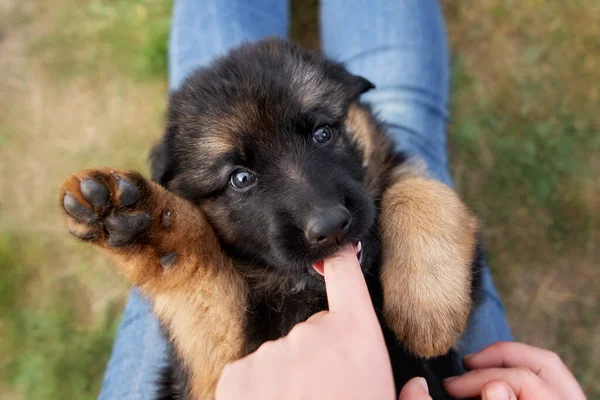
x=164 y=245
x=428 y=248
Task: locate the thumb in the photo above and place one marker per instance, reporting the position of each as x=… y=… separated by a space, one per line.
x=415 y=389
x=346 y=287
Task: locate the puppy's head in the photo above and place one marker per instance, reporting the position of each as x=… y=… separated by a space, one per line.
x=259 y=141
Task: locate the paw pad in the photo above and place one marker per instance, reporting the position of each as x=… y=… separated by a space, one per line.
x=101 y=205
x=94 y=193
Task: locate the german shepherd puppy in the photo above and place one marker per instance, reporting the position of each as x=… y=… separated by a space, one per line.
x=269 y=164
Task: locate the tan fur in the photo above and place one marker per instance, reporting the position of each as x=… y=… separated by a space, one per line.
x=225 y=129
x=200 y=298
x=411 y=168
x=428 y=247
x=374 y=144
x=217 y=144
x=361 y=128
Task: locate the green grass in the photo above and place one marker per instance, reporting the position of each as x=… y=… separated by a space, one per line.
x=87 y=86
x=536 y=159
x=525 y=153
x=96 y=36
x=53 y=353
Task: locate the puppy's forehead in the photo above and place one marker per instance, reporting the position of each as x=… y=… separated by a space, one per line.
x=305 y=75
x=313 y=89
x=259 y=92
x=299 y=98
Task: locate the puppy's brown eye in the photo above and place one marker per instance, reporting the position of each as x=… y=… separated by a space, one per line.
x=322 y=134
x=242 y=179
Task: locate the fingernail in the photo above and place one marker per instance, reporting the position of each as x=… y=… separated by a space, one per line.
x=423 y=383
x=450 y=379
x=498 y=392
x=466 y=360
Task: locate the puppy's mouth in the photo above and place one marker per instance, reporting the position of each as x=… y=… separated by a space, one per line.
x=319 y=266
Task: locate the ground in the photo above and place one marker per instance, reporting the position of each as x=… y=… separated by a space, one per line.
x=84 y=83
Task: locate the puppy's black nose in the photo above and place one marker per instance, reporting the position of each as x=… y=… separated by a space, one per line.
x=328 y=225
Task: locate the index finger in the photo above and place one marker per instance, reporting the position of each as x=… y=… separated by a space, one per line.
x=346 y=287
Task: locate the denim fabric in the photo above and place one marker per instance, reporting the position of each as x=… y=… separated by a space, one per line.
x=138 y=354
x=203 y=30
x=400 y=45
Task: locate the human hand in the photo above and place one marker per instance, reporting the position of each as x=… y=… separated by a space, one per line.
x=511 y=371
x=335 y=354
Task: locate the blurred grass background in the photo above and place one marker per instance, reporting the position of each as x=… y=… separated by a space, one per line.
x=84 y=83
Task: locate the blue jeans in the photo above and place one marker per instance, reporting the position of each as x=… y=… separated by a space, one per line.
x=400 y=45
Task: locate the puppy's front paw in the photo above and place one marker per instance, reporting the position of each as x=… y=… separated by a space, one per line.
x=164 y=245
x=428 y=250
x=107 y=207
x=140 y=226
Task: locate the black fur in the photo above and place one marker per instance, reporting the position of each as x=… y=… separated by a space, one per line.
x=255 y=105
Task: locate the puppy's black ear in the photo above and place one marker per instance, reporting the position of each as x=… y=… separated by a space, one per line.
x=359 y=85
x=161 y=163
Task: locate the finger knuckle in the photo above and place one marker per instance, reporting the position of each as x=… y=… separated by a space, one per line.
x=502 y=346
x=552 y=358
x=496 y=348
x=525 y=373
